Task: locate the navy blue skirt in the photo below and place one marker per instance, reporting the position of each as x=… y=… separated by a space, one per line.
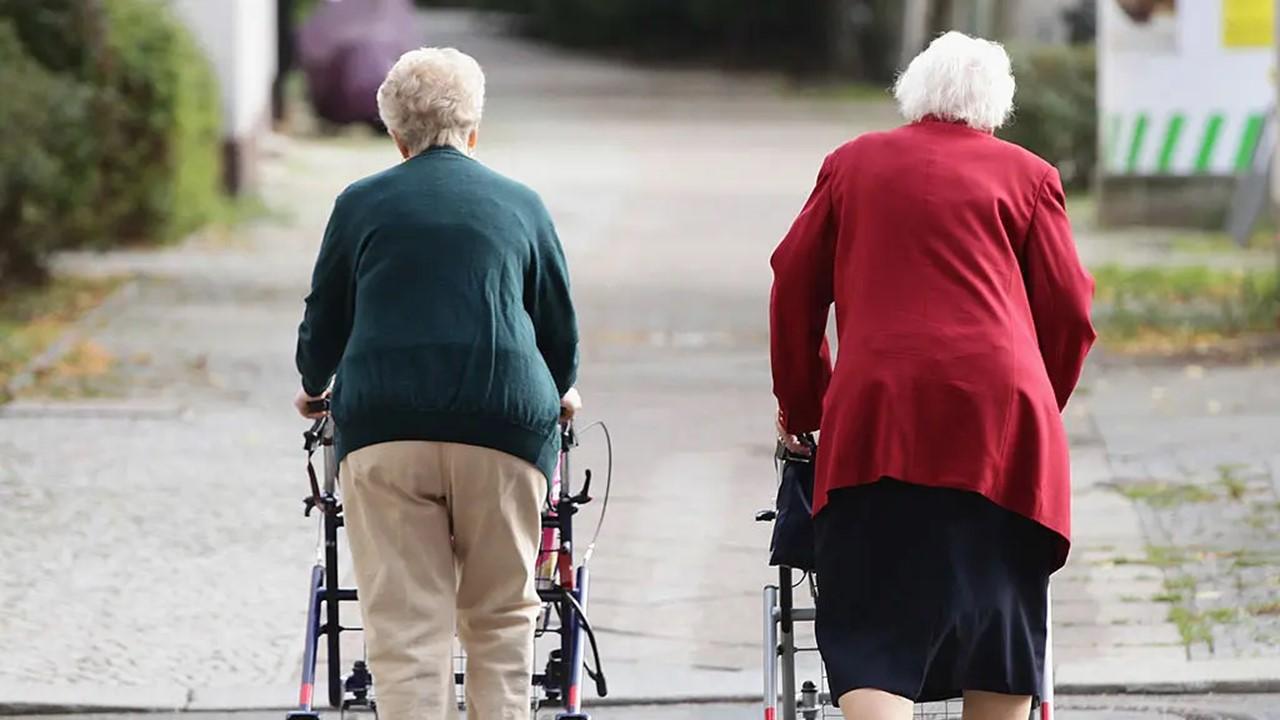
x=927 y=592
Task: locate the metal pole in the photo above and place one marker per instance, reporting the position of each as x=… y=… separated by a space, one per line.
x=787 y=644
x=1046 y=693
x=770 y=653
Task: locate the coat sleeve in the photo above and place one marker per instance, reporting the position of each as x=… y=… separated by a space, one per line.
x=803 y=270
x=547 y=300
x=326 y=322
x=1059 y=289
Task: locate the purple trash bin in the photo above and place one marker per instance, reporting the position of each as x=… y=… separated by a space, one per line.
x=345 y=49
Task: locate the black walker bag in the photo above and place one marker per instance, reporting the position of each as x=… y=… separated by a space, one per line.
x=793 y=539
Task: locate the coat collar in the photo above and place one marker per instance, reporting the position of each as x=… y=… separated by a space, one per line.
x=935 y=120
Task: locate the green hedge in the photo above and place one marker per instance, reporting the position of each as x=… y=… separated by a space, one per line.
x=121 y=122
x=43 y=187
x=162 y=138
x=1055 y=113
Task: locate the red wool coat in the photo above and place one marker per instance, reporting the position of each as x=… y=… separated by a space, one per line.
x=962 y=318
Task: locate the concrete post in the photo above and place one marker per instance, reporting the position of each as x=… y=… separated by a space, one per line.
x=1275 y=166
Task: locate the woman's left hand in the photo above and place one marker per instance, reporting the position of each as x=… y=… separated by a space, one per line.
x=302 y=401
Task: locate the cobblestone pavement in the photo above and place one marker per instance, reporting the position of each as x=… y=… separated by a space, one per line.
x=1190 y=450
x=152 y=524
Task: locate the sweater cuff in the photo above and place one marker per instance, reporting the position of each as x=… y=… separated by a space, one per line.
x=313 y=390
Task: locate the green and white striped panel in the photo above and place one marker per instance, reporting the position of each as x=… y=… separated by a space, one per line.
x=1200 y=143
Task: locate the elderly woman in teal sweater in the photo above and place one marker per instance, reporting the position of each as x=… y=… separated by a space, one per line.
x=440 y=301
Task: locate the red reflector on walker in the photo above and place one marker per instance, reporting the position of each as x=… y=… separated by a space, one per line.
x=304 y=695
x=770 y=713
x=573 y=696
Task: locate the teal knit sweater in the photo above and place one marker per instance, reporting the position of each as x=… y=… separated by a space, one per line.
x=441 y=301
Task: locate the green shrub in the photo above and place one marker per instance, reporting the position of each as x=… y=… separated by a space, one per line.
x=1055 y=113
x=45 y=170
x=110 y=127
x=160 y=140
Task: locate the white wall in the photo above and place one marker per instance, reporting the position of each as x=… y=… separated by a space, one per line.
x=240 y=39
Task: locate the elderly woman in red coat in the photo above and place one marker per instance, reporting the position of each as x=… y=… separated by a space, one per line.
x=942 y=494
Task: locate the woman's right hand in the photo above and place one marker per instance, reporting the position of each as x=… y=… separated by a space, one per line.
x=570 y=404
x=789 y=441
x=303 y=403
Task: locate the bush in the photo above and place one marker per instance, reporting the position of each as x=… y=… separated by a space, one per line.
x=45 y=181
x=161 y=139
x=1055 y=113
x=116 y=137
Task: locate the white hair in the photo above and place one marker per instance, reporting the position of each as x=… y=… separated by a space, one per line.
x=959 y=78
x=432 y=96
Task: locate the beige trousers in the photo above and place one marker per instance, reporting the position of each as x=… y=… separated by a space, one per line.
x=444 y=538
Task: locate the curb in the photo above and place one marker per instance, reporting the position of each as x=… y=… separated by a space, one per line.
x=29 y=699
x=1256 y=686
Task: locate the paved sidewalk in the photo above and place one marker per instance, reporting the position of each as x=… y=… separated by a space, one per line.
x=155 y=549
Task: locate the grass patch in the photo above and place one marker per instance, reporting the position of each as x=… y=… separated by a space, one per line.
x=1163 y=494
x=1252 y=558
x=1222 y=616
x=1257 y=519
x=1229 y=478
x=1168 y=597
x=1197 y=627
x=1165 y=556
x=1180 y=307
x=1267 y=608
x=1193 y=627
x=32 y=318
x=1217 y=243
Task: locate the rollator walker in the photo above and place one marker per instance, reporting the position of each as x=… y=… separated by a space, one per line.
x=563 y=584
x=812 y=700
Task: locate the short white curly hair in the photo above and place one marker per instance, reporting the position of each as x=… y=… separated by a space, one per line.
x=431 y=97
x=960 y=78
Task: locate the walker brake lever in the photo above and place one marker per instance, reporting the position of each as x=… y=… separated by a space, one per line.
x=584 y=497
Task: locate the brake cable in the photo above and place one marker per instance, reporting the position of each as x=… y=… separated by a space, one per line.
x=608 y=486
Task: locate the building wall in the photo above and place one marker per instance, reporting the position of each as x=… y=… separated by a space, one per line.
x=240 y=39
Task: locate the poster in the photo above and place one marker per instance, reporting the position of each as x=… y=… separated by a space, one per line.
x=1144 y=25
x=1248 y=23
x=1183 y=87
